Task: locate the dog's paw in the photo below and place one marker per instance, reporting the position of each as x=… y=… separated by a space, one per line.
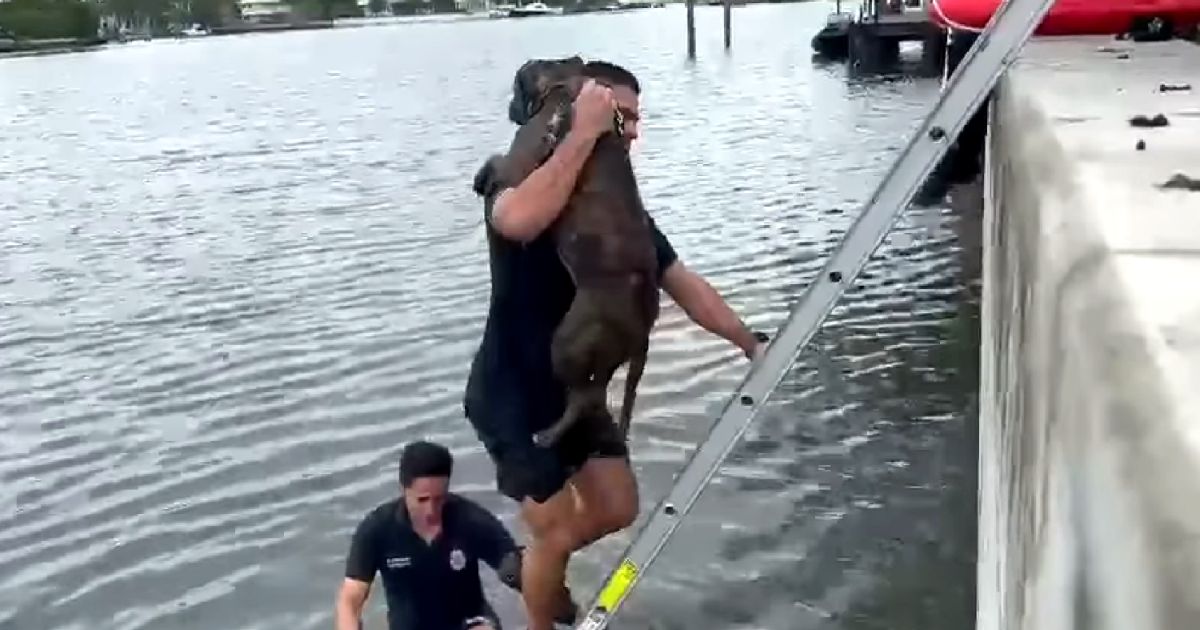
x=485 y=177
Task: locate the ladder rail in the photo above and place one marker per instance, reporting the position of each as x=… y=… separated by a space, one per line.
x=991 y=54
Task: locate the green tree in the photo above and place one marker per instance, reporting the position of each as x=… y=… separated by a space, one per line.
x=154 y=12
x=326 y=9
x=211 y=12
x=50 y=19
x=159 y=14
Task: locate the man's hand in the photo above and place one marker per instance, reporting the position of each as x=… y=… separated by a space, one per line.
x=594 y=110
x=509 y=570
x=760 y=348
x=523 y=211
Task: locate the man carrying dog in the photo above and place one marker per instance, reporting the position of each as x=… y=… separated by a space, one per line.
x=583 y=488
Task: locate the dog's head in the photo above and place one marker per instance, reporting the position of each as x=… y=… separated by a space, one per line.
x=534 y=81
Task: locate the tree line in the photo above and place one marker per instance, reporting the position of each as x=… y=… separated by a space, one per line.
x=81 y=19
x=49 y=19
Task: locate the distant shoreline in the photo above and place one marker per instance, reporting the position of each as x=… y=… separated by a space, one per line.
x=36 y=48
x=42 y=47
x=252 y=27
x=39 y=47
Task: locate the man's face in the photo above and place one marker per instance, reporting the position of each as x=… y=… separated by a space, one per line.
x=425 y=498
x=630 y=107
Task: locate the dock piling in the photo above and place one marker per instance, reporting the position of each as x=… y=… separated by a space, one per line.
x=728 y=8
x=691 y=29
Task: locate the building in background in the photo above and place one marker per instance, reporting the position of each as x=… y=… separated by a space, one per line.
x=265 y=11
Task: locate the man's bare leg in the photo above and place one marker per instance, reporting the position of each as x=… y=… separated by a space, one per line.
x=606 y=498
x=601 y=498
x=543 y=571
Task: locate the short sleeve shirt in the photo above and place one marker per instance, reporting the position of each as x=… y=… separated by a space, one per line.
x=429 y=586
x=531 y=292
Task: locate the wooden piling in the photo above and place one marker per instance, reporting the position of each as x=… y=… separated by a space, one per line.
x=728 y=8
x=691 y=29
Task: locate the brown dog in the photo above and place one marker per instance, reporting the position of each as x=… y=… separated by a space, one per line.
x=603 y=238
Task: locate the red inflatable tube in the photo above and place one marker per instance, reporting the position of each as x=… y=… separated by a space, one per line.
x=1076 y=17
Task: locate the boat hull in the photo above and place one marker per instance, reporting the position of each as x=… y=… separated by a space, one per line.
x=1073 y=17
x=518 y=13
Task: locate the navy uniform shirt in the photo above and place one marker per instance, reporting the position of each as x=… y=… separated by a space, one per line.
x=429 y=586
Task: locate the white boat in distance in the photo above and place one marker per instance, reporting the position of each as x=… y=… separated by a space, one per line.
x=195 y=30
x=533 y=9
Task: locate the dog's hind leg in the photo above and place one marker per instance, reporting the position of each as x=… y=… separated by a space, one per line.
x=637 y=365
x=573 y=354
x=590 y=398
x=578 y=400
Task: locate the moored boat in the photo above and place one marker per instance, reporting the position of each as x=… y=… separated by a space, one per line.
x=533 y=9
x=195 y=30
x=1077 y=17
x=834 y=39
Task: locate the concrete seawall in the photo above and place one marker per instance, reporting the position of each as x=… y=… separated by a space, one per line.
x=1089 y=506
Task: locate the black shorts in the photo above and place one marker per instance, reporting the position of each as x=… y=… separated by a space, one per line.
x=524 y=469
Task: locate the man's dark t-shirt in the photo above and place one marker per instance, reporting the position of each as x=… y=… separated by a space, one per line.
x=511 y=390
x=429 y=586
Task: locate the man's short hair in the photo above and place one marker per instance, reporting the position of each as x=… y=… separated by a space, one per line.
x=611 y=74
x=424 y=459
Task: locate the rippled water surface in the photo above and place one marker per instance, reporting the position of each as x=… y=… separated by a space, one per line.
x=237 y=274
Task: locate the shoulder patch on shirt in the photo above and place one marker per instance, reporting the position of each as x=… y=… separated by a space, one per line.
x=458 y=559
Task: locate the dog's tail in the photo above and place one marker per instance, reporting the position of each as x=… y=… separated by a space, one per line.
x=637 y=365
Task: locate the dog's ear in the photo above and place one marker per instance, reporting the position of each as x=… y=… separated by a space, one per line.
x=555 y=73
x=574 y=84
x=525 y=92
x=518 y=110
x=534 y=79
x=574 y=65
x=542 y=85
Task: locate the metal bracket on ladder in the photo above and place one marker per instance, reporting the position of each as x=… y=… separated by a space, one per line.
x=991 y=54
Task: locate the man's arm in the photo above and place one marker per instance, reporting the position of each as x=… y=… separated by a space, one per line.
x=495 y=546
x=359 y=572
x=521 y=213
x=698 y=298
x=350 y=601
x=706 y=307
